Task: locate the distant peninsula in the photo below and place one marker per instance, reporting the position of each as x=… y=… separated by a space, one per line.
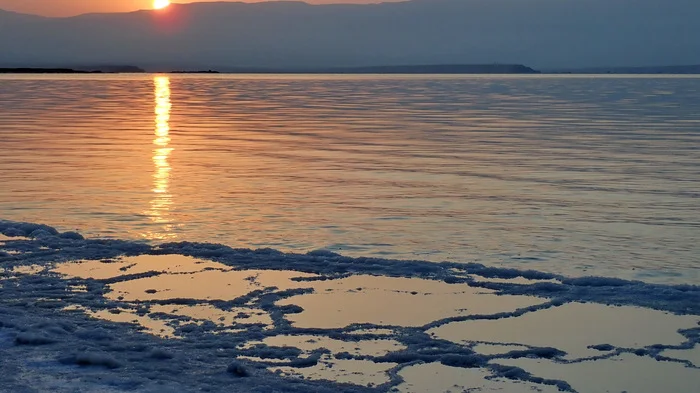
x=44 y=71
x=394 y=69
x=669 y=70
x=110 y=69
x=446 y=69
x=400 y=69
x=441 y=69
x=196 y=72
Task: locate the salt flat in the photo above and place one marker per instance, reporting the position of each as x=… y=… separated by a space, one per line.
x=111 y=315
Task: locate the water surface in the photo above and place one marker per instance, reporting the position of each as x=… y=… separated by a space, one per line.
x=573 y=175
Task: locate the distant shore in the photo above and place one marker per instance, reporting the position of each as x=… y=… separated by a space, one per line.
x=45 y=71
x=100 y=69
x=402 y=69
x=397 y=69
x=465 y=69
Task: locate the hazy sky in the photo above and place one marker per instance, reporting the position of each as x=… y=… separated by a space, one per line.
x=75 y=7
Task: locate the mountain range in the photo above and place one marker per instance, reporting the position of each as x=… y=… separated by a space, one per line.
x=225 y=35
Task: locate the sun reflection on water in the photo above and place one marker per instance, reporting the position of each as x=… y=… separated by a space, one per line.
x=162 y=199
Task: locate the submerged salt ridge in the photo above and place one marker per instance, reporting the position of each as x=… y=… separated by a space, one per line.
x=262 y=340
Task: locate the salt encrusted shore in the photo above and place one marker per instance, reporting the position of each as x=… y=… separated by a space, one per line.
x=92 y=315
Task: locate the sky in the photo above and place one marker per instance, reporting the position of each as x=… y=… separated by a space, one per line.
x=76 y=7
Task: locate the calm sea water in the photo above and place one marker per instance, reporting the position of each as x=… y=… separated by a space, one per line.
x=574 y=175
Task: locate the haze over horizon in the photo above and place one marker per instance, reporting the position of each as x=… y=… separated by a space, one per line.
x=63 y=8
x=542 y=34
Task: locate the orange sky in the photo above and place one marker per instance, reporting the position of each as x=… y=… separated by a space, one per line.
x=75 y=7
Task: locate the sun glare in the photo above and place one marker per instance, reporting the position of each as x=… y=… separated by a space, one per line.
x=160 y=4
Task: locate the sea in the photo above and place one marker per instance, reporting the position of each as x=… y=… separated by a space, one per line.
x=579 y=175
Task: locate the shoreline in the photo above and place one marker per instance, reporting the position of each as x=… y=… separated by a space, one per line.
x=96 y=313
x=60 y=71
x=29 y=70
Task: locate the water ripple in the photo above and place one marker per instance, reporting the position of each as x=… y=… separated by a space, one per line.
x=574 y=175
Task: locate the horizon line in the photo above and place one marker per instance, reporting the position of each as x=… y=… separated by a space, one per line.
x=176 y=4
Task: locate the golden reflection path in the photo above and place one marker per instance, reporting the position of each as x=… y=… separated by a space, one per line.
x=162 y=199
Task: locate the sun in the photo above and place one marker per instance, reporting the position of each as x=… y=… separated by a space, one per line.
x=160 y=4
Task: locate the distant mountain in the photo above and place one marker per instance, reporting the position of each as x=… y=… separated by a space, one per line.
x=539 y=33
x=11 y=19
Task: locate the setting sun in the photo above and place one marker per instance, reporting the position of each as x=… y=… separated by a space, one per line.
x=160 y=4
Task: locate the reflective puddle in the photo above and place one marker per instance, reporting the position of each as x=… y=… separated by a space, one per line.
x=396 y=302
x=691 y=355
x=163 y=294
x=435 y=377
x=624 y=373
x=574 y=327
